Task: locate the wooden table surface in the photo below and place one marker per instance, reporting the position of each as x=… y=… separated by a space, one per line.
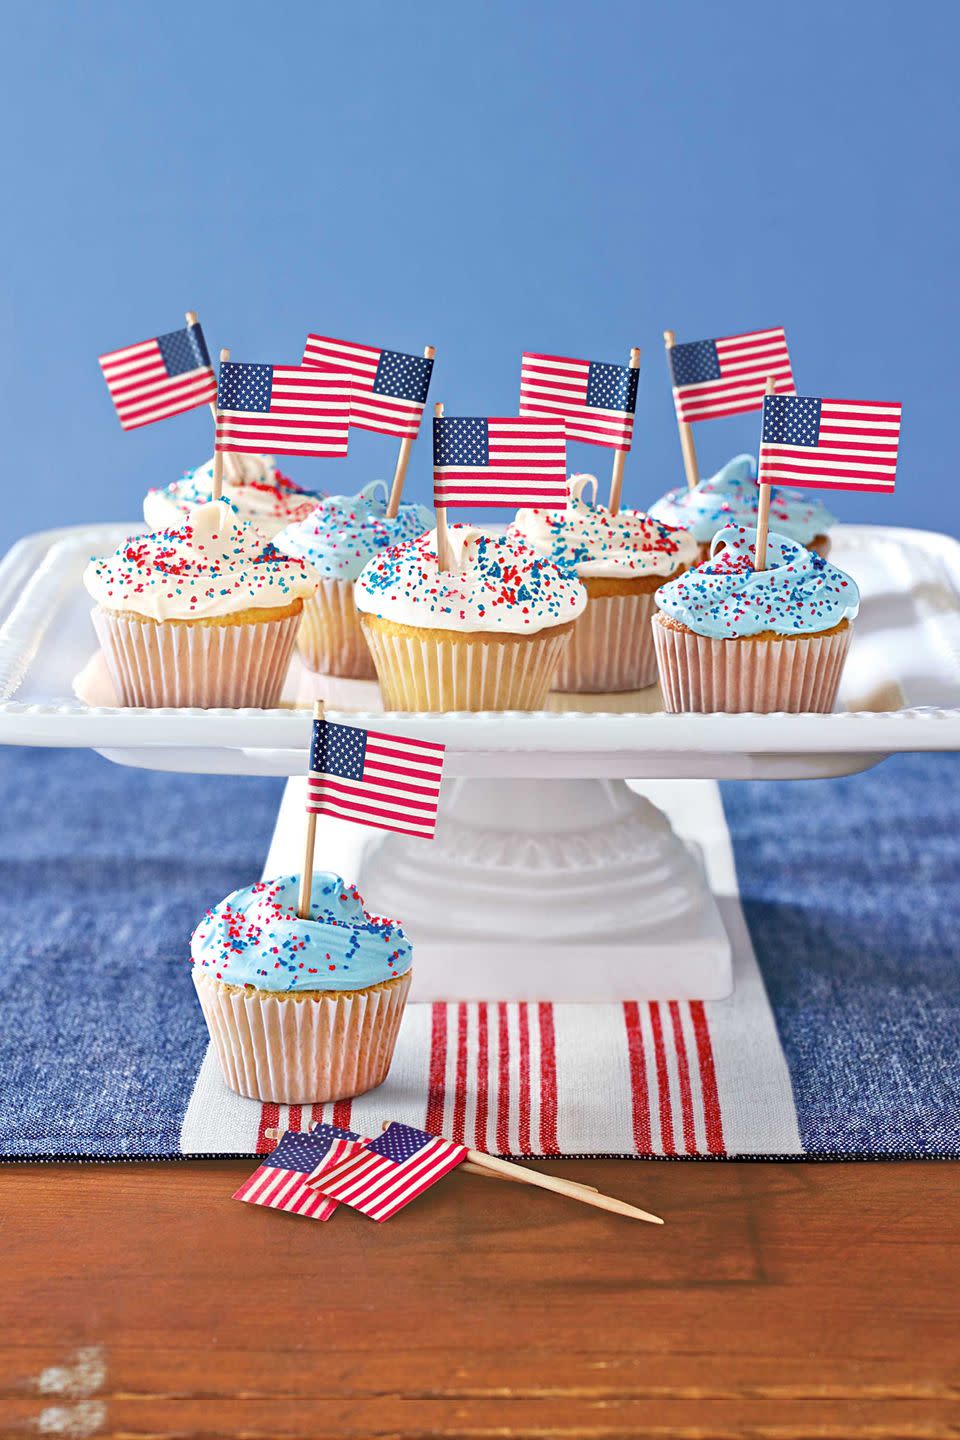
x=788 y=1300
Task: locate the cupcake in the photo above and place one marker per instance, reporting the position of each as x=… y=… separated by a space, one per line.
x=621 y=559
x=732 y=497
x=205 y=614
x=338 y=538
x=729 y=637
x=262 y=495
x=300 y=1011
x=486 y=635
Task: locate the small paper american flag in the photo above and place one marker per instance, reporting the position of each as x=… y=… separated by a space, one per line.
x=728 y=376
x=160 y=377
x=387 y=1173
x=829 y=444
x=282 y=410
x=386 y=781
x=500 y=460
x=596 y=401
x=389 y=389
x=280 y=1183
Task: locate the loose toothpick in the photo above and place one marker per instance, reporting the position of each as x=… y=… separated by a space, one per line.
x=403 y=459
x=763 y=507
x=686 y=433
x=275 y=1133
x=306 y=874
x=444 y=553
x=620 y=457
x=191 y=319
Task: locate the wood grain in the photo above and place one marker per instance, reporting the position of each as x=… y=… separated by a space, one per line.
x=778 y=1301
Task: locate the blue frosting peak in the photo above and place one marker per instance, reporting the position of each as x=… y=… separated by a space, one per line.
x=732 y=496
x=725 y=598
x=255 y=937
x=345 y=531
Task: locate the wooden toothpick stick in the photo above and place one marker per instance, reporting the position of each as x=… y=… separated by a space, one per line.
x=306 y=874
x=191 y=319
x=444 y=554
x=217 y=490
x=403 y=459
x=686 y=433
x=620 y=456
x=560 y=1187
x=763 y=507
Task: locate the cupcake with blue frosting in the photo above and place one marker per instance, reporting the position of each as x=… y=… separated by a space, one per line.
x=338 y=539
x=301 y=1011
x=729 y=637
x=732 y=497
x=261 y=494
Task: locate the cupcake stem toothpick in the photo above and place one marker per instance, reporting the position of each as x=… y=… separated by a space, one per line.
x=763 y=506
x=403 y=459
x=217 y=489
x=687 y=446
x=191 y=318
x=620 y=455
x=310 y=838
x=444 y=555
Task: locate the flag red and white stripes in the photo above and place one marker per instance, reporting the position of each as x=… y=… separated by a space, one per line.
x=283 y=410
x=281 y=1182
x=497 y=461
x=388 y=388
x=829 y=444
x=384 y=1176
x=573 y=390
x=712 y=378
x=390 y=782
x=160 y=377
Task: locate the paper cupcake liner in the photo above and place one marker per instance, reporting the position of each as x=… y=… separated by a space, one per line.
x=197 y=665
x=704 y=675
x=821 y=548
x=423 y=672
x=611 y=647
x=302 y=1050
x=331 y=639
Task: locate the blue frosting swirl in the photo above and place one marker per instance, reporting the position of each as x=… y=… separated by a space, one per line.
x=345 y=531
x=731 y=497
x=725 y=598
x=255 y=937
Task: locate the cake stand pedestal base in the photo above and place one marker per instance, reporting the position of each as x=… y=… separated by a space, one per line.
x=576 y=890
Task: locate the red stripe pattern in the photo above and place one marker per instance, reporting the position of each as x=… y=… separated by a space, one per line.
x=389 y=782
x=160 y=377
x=389 y=389
x=501 y=460
x=389 y=1172
x=574 y=391
x=829 y=444
x=282 y=409
x=712 y=378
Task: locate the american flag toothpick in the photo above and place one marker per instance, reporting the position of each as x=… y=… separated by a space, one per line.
x=157 y=378
x=481 y=461
x=280 y=1182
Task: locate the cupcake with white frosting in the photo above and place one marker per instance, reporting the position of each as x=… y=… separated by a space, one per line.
x=622 y=560
x=732 y=638
x=487 y=634
x=338 y=538
x=732 y=497
x=205 y=614
x=301 y=1011
x=261 y=493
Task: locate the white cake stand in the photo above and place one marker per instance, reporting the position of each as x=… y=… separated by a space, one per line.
x=551 y=877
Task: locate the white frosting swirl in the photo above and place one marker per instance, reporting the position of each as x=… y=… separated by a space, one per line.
x=496 y=584
x=261 y=493
x=586 y=540
x=216 y=564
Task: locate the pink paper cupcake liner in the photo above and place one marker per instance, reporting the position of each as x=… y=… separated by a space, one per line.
x=761 y=676
x=331 y=639
x=303 y=1049
x=611 y=648
x=196 y=665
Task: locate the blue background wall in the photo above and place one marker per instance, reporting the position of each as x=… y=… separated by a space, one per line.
x=485 y=177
